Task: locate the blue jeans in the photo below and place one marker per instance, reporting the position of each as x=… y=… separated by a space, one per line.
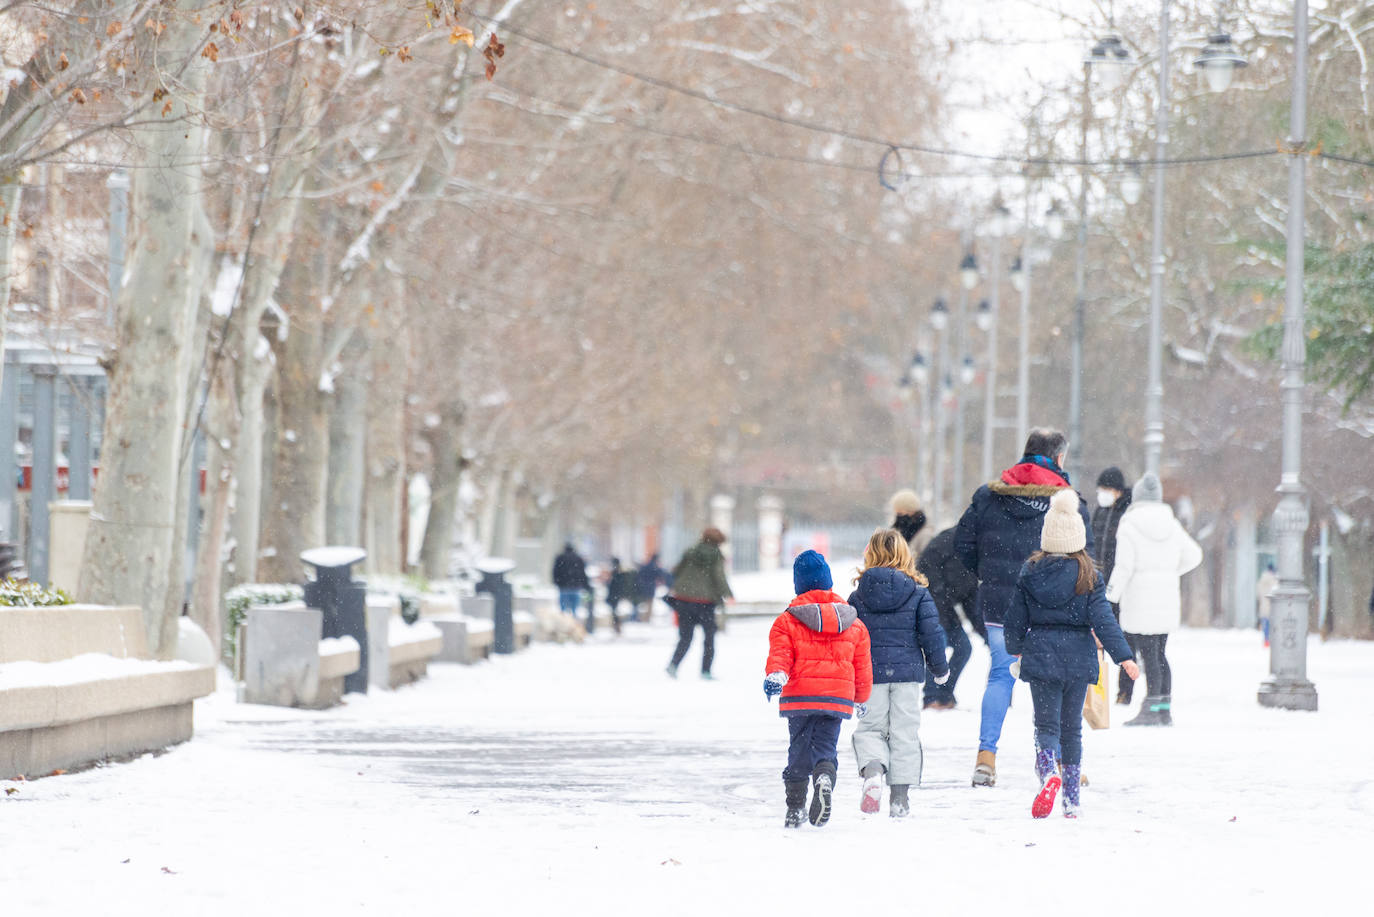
x=570 y=600
x=997 y=695
x=1059 y=718
x=813 y=742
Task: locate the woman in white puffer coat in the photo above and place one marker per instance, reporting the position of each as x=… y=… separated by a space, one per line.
x=1152 y=552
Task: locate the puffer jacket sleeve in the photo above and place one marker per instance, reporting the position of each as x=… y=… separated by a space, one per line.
x=929 y=634
x=1087 y=525
x=1016 y=624
x=1190 y=552
x=1125 y=562
x=1105 y=626
x=781 y=652
x=863 y=665
x=966 y=535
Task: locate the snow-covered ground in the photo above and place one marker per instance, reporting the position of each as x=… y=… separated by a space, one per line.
x=581 y=780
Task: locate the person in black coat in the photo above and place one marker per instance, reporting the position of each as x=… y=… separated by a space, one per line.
x=1059 y=603
x=620 y=587
x=954 y=589
x=998 y=531
x=570 y=577
x=1113 y=499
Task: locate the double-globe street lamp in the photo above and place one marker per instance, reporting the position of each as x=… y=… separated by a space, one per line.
x=1287 y=685
x=968 y=279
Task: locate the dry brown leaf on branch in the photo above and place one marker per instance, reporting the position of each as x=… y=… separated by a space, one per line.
x=114 y=28
x=404 y=54
x=154 y=26
x=167 y=108
x=491 y=52
x=211 y=52
x=63 y=63
x=78 y=97
x=461 y=34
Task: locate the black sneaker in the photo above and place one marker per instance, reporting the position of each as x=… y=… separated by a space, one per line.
x=820 y=800
x=794 y=819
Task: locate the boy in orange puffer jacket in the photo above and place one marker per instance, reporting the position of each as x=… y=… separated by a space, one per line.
x=819 y=661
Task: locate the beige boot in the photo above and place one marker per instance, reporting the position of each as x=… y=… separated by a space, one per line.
x=985 y=771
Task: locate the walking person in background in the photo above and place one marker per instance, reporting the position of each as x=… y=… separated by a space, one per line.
x=570 y=577
x=909 y=519
x=648 y=578
x=998 y=531
x=954 y=590
x=1057 y=608
x=620 y=587
x=1152 y=553
x=1268 y=582
x=699 y=585
x=1113 y=499
x=819 y=662
x=905 y=639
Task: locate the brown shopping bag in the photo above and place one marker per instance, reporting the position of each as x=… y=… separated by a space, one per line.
x=1096 y=710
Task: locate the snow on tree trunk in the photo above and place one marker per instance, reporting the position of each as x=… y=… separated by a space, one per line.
x=130 y=555
x=445 y=476
x=386 y=433
x=347 y=436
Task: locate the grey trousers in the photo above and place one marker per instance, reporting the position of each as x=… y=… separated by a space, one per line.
x=890 y=733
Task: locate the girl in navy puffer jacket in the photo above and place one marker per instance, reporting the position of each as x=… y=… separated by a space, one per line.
x=1060 y=603
x=904 y=632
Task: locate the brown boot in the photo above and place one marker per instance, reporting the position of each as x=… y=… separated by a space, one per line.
x=985 y=771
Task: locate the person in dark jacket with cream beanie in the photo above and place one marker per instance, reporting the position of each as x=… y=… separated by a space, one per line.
x=1059 y=604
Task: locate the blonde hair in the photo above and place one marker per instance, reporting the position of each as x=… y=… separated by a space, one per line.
x=887 y=548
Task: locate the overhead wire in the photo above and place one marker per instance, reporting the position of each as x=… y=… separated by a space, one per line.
x=863 y=137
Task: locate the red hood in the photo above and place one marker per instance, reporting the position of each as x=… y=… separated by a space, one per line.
x=1033 y=474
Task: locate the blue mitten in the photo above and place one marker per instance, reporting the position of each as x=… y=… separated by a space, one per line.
x=861 y=710
x=772 y=685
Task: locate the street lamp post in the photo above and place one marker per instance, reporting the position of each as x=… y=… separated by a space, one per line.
x=1075 y=459
x=1000 y=218
x=1021 y=282
x=939 y=320
x=968 y=279
x=1154 y=387
x=1287 y=685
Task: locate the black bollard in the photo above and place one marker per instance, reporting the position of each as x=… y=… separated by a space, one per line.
x=343 y=601
x=493 y=582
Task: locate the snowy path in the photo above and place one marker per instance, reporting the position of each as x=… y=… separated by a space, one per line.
x=583 y=780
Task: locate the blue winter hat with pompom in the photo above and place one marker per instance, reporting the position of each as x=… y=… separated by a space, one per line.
x=810 y=571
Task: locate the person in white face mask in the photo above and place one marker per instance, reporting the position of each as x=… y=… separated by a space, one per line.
x=1113 y=498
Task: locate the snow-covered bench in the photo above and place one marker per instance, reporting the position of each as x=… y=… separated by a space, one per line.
x=467 y=626
x=284 y=662
x=77 y=686
x=398 y=653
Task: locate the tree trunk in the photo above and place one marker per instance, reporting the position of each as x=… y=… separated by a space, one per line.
x=386 y=435
x=347 y=435
x=130 y=553
x=295 y=519
x=222 y=430
x=444 y=479
x=10 y=193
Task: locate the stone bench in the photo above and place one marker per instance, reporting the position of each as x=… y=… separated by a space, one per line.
x=464 y=640
x=78 y=686
x=284 y=662
x=398 y=653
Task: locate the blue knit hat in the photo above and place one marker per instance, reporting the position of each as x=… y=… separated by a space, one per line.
x=810 y=571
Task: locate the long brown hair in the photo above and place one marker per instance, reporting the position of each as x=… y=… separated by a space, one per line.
x=1087 y=570
x=887 y=548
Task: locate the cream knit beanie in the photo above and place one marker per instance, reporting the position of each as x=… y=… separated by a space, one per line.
x=1063 y=532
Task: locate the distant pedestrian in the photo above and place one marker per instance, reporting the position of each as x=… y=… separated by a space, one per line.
x=1264 y=591
x=1057 y=608
x=998 y=531
x=819 y=662
x=1113 y=499
x=1152 y=553
x=648 y=578
x=699 y=585
x=910 y=519
x=570 y=577
x=955 y=591
x=906 y=641
x=620 y=587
